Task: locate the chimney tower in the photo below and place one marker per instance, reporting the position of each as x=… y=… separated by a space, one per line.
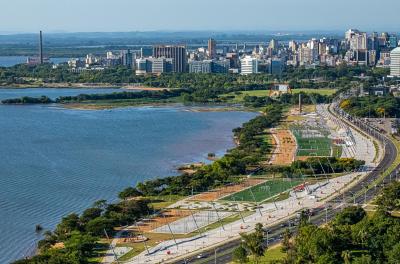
x=40 y=48
x=300 y=106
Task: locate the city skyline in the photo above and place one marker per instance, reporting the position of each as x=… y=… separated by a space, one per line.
x=177 y=15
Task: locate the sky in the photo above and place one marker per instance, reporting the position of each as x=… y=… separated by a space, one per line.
x=187 y=15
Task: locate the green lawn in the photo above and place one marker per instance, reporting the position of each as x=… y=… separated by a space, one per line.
x=315 y=146
x=263 y=191
x=260 y=93
x=324 y=91
x=272 y=254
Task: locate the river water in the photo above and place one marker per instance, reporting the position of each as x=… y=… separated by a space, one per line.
x=8 y=61
x=54 y=161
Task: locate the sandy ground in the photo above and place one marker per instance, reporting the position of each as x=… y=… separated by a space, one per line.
x=285 y=147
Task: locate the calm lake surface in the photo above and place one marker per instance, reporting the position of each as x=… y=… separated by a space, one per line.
x=55 y=161
x=8 y=61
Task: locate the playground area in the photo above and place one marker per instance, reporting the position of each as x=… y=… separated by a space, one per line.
x=285 y=147
x=263 y=191
x=226 y=190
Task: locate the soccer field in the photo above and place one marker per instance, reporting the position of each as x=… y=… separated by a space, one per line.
x=312 y=145
x=262 y=191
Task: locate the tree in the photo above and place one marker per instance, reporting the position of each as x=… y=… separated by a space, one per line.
x=80 y=246
x=346 y=255
x=68 y=224
x=129 y=193
x=255 y=242
x=101 y=204
x=394 y=254
x=364 y=259
x=350 y=216
x=286 y=244
x=240 y=254
x=96 y=226
x=390 y=198
x=90 y=214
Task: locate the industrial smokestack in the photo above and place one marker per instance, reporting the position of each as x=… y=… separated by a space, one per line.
x=40 y=48
x=300 y=110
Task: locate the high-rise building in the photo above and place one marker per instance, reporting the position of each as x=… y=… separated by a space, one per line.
x=220 y=66
x=178 y=53
x=392 y=41
x=273 y=44
x=358 y=41
x=128 y=58
x=276 y=67
x=212 y=48
x=350 y=33
x=146 y=52
x=249 y=65
x=161 y=65
x=305 y=55
x=142 y=66
x=293 y=45
x=395 y=62
x=200 y=66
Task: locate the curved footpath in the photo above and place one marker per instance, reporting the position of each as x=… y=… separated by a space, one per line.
x=361 y=193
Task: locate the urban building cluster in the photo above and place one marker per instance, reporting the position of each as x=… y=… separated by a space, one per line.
x=356 y=48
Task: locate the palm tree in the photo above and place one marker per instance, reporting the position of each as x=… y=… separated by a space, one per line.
x=346 y=255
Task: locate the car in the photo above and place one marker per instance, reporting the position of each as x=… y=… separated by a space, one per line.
x=200 y=256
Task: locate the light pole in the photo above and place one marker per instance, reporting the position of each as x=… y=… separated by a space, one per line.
x=326 y=214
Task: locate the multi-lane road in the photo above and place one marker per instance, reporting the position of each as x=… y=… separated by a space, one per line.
x=361 y=193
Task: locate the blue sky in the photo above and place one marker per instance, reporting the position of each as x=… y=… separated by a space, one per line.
x=218 y=15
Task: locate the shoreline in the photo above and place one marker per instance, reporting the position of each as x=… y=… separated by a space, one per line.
x=189 y=108
x=82 y=85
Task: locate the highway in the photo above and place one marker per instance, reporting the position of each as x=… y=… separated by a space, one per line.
x=361 y=193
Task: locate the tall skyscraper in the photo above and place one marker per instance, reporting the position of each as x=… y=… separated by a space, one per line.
x=395 y=62
x=212 y=48
x=273 y=44
x=392 y=41
x=178 y=53
x=40 y=48
x=128 y=58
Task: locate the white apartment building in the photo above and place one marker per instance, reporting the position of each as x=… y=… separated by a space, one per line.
x=249 y=65
x=395 y=62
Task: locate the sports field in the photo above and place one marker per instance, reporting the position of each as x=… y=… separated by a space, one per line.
x=262 y=191
x=312 y=143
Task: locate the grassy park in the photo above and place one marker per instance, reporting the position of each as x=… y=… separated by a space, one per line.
x=239 y=96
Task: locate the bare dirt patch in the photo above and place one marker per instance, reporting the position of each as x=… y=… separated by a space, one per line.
x=285 y=147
